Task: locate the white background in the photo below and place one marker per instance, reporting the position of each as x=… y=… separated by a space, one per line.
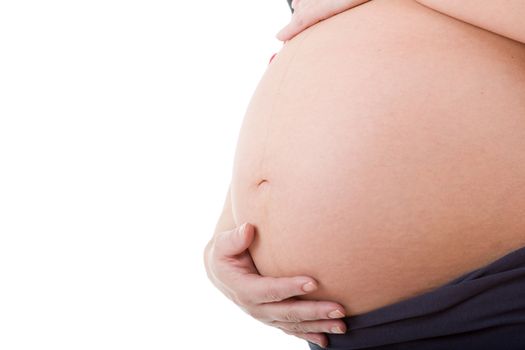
x=118 y=125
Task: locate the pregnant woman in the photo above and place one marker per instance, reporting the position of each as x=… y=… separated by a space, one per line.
x=382 y=159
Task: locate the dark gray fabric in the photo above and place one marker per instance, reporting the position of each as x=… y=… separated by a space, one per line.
x=290 y=4
x=483 y=310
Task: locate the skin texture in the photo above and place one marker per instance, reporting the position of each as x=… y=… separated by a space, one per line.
x=503 y=17
x=390 y=140
x=309 y=12
x=268 y=299
x=298 y=316
x=271 y=300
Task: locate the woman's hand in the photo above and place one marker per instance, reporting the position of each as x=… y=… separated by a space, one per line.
x=268 y=299
x=309 y=12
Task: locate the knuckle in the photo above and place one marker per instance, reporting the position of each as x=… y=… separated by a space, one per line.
x=291 y=316
x=271 y=294
x=297 y=328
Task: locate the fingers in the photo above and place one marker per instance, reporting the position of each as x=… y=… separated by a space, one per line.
x=300 y=311
x=335 y=327
x=230 y=243
x=270 y=299
x=291 y=29
x=307 y=13
x=235 y=273
x=258 y=289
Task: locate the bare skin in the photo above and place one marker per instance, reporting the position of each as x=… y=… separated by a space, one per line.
x=271 y=300
x=227 y=268
x=309 y=12
x=365 y=180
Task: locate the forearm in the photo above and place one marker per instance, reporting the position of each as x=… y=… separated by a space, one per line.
x=503 y=17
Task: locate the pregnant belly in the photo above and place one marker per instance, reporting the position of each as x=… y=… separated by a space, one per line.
x=383 y=153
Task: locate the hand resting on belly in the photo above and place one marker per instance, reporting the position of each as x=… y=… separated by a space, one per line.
x=391 y=138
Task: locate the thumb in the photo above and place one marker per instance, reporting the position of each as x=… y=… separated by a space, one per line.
x=236 y=241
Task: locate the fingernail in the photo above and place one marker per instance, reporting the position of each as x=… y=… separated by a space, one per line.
x=335 y=314
x=336 y=329
x=309 y=287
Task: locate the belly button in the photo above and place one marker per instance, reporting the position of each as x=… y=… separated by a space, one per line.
x=262 y=184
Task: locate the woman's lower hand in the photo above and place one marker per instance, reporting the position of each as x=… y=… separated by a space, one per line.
x=308 y=12
x=269 y=299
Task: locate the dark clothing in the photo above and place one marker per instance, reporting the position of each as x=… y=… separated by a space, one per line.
x=483 y=309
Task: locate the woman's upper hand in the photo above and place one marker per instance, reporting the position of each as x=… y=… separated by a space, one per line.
x=309 y=12
x=268 y=299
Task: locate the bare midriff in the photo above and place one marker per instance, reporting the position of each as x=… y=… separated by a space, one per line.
x=383 y=154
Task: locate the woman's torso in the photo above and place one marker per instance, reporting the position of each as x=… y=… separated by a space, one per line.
x=392 y=142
